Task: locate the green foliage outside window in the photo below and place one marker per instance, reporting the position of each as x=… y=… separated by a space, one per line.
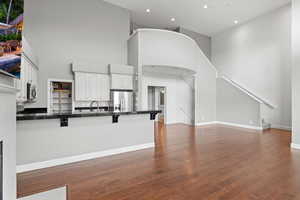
x=16 y=9
x=11 y=36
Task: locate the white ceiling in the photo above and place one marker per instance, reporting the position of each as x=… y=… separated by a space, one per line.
x=191 y=14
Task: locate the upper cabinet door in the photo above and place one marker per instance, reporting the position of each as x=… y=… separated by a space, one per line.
x=34 y=75
x=121 y=82
x=104 y=83
x=81 y=86
x=29 y=74
x=92 y=87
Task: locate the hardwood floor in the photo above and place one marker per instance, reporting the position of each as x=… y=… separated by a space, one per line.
x=210 y=163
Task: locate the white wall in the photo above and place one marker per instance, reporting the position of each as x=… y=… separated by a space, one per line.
x=234 y=106
x=167 y=48
x=172 y=51
x=257 y=55
x=6 y=80
x=61 y=31
x=179 y=96
x=45 y=140
x=28 y=51
x=203 y=41
x=8 y=136
x=205 y=91
x=296 y=72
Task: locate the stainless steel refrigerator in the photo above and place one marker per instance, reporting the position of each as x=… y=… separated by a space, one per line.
x=122 y=100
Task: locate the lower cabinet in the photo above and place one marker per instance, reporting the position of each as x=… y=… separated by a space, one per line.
x=92 y=87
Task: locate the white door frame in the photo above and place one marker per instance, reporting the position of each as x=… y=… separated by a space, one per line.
x=165 y=99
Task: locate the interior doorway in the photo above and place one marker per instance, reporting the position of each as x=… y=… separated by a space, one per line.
x=157 y=101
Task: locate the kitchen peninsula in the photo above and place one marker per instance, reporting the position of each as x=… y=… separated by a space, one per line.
x=71 y=129
x=45 y=140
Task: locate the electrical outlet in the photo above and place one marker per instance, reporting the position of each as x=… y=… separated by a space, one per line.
x=251 y=122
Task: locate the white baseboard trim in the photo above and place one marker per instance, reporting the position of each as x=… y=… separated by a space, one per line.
x=240 y=125
x=230 y=124
x=170 y=123
x=295 y=146
x=88 y=156
x=287 y=128
x=206 y=123
x=188 y=124
x=174 y=123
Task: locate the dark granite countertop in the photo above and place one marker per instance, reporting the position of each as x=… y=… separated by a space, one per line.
x=78 y=114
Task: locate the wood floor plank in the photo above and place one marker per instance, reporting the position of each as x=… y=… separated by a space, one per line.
x=209 y=163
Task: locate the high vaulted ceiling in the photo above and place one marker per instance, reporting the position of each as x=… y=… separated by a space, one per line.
x=218 y=16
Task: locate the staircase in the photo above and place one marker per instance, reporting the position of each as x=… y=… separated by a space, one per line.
x=180 y=52
x=264 y=104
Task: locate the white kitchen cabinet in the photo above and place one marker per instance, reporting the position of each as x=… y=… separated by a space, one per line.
x=92 y=87
x=104 y=80
x=34 y=76
x=29 y=74
x=22 y=96
x=121 y=82
x=80 y=86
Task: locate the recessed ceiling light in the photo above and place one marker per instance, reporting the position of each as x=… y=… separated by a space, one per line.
x=148 y=10
x=205 y=6
x=236 y=21
x=173 y=19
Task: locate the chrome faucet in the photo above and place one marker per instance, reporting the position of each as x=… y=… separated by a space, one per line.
x=91 y=106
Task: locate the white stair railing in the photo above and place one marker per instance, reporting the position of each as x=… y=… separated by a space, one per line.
x=247 y=91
